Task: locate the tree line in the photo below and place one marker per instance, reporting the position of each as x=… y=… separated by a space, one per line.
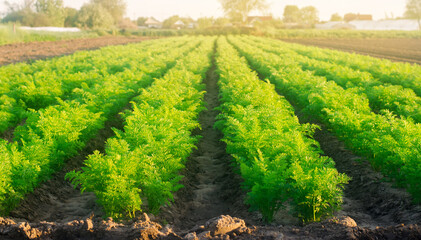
x=103 y=14
x=94 y=14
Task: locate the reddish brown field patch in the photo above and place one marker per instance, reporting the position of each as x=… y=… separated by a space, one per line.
x=402 y=50
x=21 y=52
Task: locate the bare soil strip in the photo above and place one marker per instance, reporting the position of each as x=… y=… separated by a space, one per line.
x=401 y=50
x=26 y=52
x=211 y=188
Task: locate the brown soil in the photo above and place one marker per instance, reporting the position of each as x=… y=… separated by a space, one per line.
x=402 y=50
x=21 y=52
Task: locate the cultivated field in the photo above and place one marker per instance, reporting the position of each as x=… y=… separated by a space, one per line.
x=234 y=137
x=19 y=52
x=402 y=50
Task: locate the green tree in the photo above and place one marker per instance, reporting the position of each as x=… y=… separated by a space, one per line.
x=141 y=21
x=413 y=11
x=292 y=14
x=116 y=8
x=169 y=22
x=205 y=22
x=52 y=11
x=350 y=17
x=221 y=22
x=238 y=10
x=309 y=15
x=94 y=16
x=71 y=17
x=22 y=13
x=336 y=18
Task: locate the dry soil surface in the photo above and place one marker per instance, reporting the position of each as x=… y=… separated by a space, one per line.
x=21 y=52
x=403 y=50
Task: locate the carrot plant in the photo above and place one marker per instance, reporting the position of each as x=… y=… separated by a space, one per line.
x=393 y=145
x=142 y=163
x=404 y=74
x=382 y=96
x=53 y=134
x=38 y=85
x=279 y=160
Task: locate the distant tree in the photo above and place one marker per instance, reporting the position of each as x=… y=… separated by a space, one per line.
x=71 y=17
x=94 y=16
x=292 y=14
x=126 y=24
x=20 y=13
x=205 y=22
x=52 y=11
x=169 y=22
x=15 y=17
x=309 y=15
x=187 y=20
x=221 y=22
x=336 y=18
x=141 y=21
x=116 y=8
x=350 y=17
x=238 y=10
x=413 y=11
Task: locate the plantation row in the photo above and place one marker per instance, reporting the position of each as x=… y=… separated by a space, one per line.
x=392 y=144
x=401 y=101
x=61 y=104
x=53 y=134
x=144 y=161
x=277 y=156
x=42 y=83
x=384 y=70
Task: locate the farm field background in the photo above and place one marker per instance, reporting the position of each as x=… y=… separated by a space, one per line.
x=31 y=51
x=297 y=134
x=403 y=50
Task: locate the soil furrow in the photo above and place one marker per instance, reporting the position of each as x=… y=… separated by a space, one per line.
x=56 y=200
x=211 y=188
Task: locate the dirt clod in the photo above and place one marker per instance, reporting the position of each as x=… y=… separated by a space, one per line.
x=224 y=224
x=347 y=222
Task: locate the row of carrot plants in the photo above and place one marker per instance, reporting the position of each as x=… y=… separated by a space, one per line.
x=56 y=133
x=405 y=74
x=279 y=160
x=401 y=101
x=42 y=83
x=391 y=144
x=142 y=163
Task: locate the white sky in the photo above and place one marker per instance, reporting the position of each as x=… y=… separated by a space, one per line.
x=162 y=9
